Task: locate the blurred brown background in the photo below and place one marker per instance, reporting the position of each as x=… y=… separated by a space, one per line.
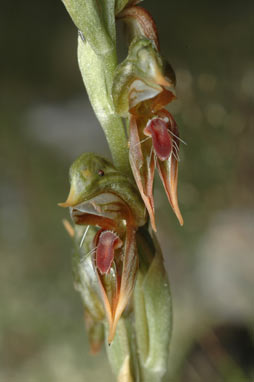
x=46 y=122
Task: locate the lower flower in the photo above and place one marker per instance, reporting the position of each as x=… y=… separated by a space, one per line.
x=102 y=197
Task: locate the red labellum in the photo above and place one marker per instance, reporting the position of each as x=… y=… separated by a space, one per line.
x=157 y=128
x=108 y=242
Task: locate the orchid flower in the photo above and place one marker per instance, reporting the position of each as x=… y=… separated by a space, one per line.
x=101 y=196
x=143 y=85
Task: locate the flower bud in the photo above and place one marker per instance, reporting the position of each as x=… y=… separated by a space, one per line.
x=140 y=23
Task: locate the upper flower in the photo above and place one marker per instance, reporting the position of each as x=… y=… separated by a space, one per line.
x=143 y=85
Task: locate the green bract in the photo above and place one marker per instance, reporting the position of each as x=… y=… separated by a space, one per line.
x=153 y=310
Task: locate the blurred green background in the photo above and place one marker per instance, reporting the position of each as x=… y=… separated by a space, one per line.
x=46 y=122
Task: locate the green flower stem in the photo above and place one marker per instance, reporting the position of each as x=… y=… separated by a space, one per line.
x=97 y=73
x=96 y=20
x=97 y=62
